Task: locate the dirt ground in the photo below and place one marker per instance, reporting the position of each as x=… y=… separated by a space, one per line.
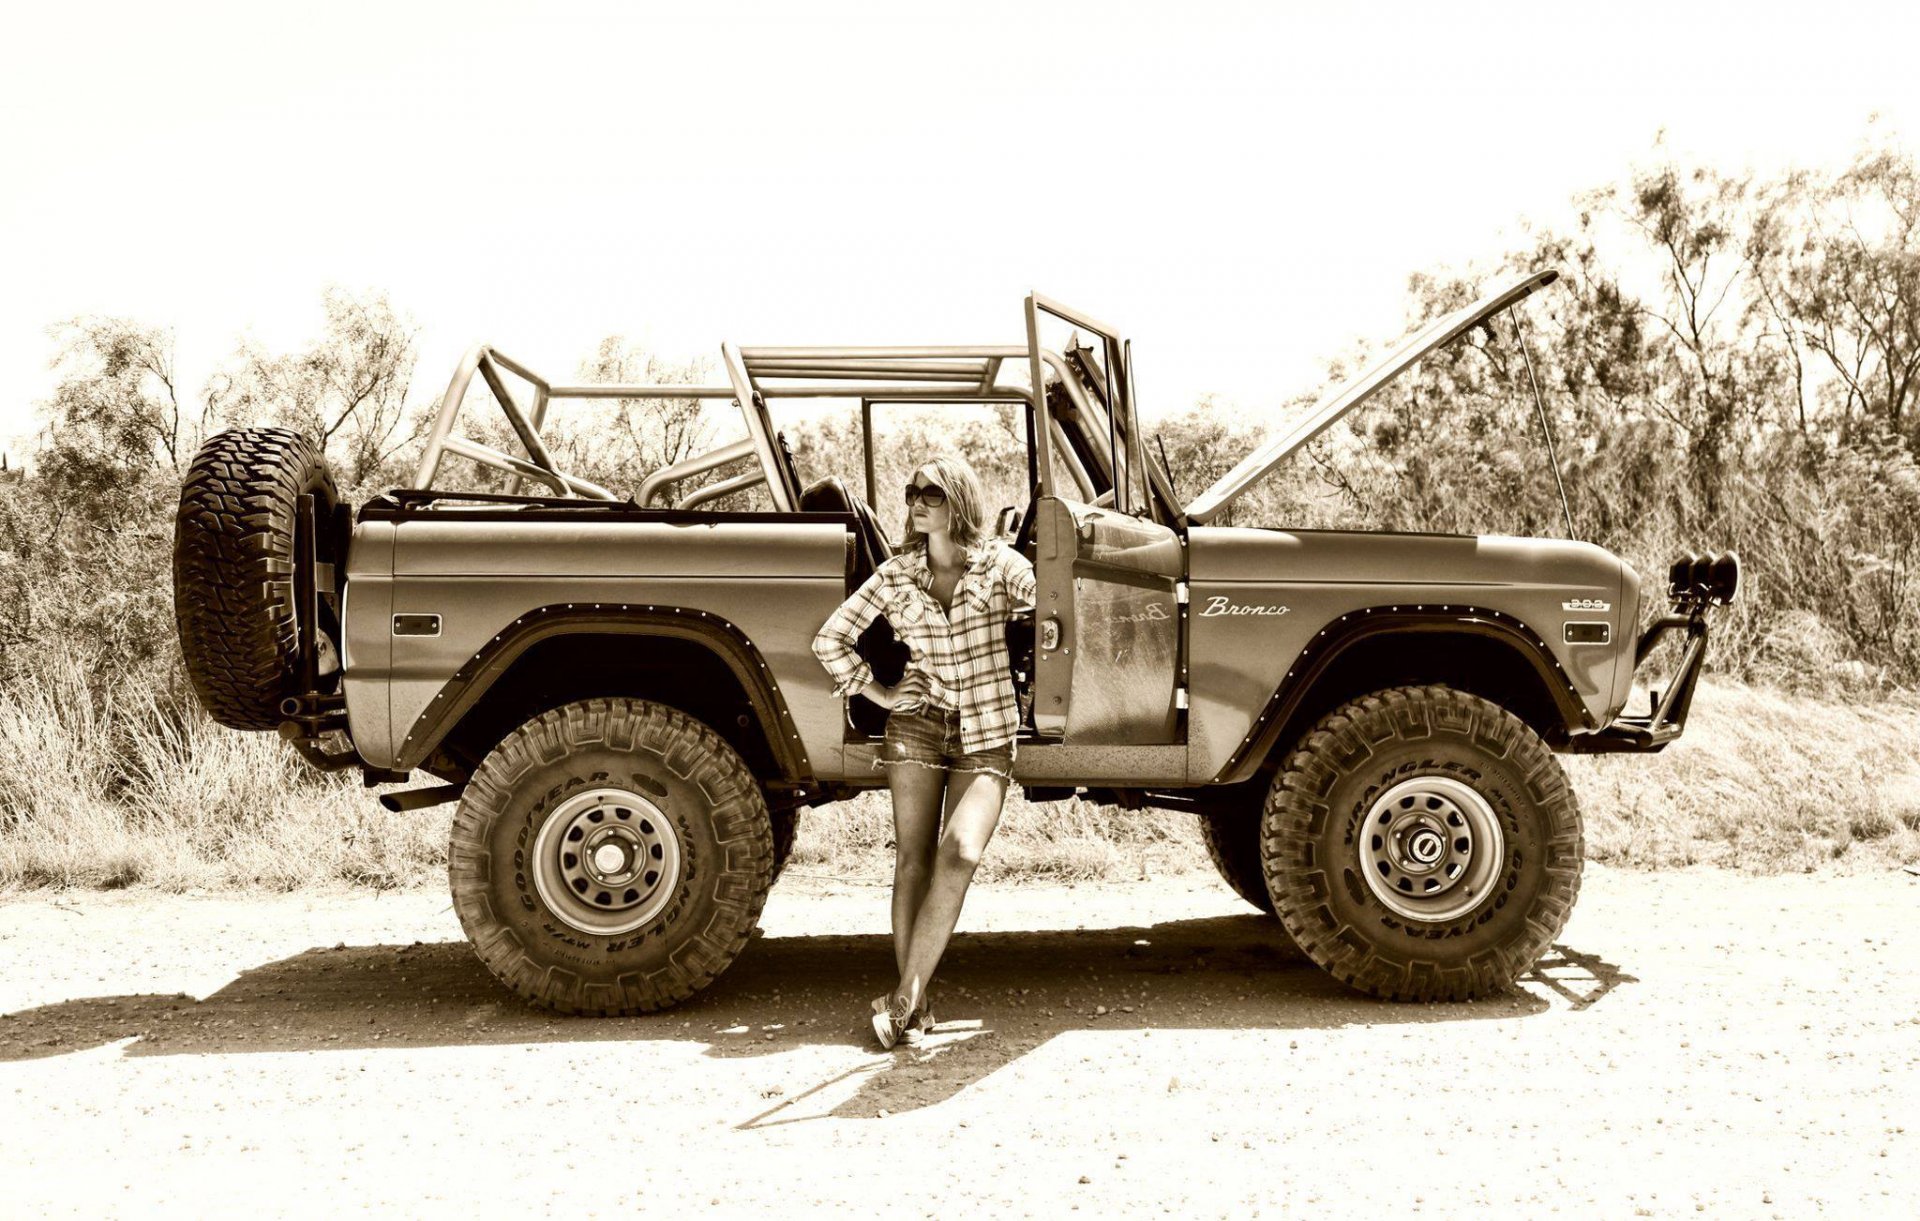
x=1696 y=1042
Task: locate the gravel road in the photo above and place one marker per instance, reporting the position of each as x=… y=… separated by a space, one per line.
x=1696 y=1042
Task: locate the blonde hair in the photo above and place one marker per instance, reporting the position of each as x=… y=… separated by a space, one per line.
x=964 y=497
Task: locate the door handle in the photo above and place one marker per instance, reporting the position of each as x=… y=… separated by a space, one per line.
x=1049 y=634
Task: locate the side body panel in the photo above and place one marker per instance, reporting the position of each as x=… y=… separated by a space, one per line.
x=772 y=582
x=1055 y=763
x=366 y=655
x=1259 y=598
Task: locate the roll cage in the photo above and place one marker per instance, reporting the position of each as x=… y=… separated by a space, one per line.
x=1084 y=416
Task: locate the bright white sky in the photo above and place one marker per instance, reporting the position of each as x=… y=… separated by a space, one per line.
x=1241 y=188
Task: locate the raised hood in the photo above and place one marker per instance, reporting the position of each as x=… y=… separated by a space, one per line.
x=1357 y=390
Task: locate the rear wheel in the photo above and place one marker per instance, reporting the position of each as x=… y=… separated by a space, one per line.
x=1233 y=843
x=786 y=824
x=1423 y=844
x=610 y=856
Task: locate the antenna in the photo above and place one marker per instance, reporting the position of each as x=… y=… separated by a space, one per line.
x=1520 y=337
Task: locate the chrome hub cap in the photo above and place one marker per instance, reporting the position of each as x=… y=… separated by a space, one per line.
x=1431 y=848
x=606 y=861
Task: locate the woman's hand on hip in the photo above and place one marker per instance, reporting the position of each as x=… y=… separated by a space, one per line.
x=911 y=692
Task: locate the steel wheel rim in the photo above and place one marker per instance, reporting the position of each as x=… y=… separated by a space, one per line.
x=606 y=861
x=1431 y=848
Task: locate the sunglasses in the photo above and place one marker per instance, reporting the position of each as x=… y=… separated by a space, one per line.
x=930 y=495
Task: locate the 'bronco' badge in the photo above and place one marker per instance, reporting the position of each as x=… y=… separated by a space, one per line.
x=1221 y=605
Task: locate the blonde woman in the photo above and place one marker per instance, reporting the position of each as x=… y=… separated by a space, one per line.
x=952 y=720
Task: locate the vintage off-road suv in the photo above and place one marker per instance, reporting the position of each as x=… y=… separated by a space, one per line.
x=622 y=696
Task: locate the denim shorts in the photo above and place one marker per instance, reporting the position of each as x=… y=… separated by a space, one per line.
x=930 y=737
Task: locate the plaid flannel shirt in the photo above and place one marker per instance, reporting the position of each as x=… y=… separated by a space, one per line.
x=963 y=653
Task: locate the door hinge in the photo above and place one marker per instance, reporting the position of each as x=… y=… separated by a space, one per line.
x=1179 y=697
x=1180 y=592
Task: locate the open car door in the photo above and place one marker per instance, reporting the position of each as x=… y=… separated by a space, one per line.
x=1108 y=664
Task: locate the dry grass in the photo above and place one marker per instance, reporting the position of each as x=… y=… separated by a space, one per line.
x=1762 y=781
x=141 y=797
x=1765 y=782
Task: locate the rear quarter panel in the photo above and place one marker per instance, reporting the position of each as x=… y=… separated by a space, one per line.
x=775 y=582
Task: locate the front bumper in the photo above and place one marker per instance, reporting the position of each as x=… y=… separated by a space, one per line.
x=1696 y=584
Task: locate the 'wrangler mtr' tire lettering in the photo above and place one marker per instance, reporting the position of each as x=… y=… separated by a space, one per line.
x=1423 y=844
x=610 y=856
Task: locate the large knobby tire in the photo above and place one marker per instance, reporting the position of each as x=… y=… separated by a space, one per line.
x=1423 y=844
x=1233 y=842
x=610 y=856
x=233 y=550
x=786 y=825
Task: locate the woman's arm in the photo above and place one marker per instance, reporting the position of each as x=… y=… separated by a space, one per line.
x=834 y=644
x=1017 y=571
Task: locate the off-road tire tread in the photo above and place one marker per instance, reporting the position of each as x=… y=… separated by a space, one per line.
x=735 y=885
x=1233 y=844
x=233 y=599
x=1296 y=808
x=786 y=825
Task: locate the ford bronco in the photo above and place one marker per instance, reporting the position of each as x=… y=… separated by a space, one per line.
x=619 y=692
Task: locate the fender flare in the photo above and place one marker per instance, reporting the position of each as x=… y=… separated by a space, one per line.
x=1349 y=630
x=471 y=682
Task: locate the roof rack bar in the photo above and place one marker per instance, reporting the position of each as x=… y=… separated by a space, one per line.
x=673 y=391
x=903 y=372
x=967 y=391
x=964 y=368
x=990 y=375
x=864 y=369
x=908 y=353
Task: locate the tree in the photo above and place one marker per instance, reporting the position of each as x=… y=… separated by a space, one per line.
x=1839 y=270
x=116 y=413
x=653 y=433
x=348 y=391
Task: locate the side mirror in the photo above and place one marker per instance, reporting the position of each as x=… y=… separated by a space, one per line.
x=1003 y=523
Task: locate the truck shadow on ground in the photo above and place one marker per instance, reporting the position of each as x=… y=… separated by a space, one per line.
x=998 y=996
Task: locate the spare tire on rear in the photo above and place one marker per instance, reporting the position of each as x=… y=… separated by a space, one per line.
x=233 y=553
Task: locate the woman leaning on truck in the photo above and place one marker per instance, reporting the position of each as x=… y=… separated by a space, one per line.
x=950 y=733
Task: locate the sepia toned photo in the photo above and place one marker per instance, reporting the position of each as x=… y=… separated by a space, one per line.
x=1013 y=611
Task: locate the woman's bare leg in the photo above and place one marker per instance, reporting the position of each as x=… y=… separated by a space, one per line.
x=974 y=801
x=916 y=828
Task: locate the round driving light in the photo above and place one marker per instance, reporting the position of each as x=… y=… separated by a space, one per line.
x=1723 y=577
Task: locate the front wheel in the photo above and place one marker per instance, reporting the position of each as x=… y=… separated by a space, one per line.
x=610 y=856
x=1423 y=844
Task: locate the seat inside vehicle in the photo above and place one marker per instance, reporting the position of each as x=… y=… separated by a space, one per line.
x=830 y=495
